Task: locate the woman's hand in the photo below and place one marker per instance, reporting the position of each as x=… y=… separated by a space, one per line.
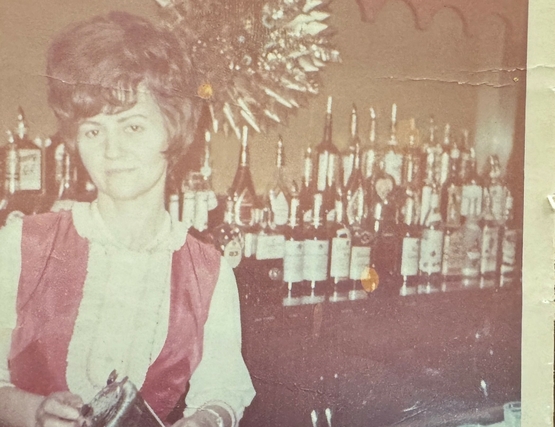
x=60 y=409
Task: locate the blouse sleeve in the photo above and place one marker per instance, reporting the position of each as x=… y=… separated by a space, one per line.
x=221 y=377
x=10 y=267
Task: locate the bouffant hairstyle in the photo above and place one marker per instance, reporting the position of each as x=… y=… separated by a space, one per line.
x=98 y=65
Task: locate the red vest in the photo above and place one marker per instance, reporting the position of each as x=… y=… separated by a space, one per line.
x=53 y=269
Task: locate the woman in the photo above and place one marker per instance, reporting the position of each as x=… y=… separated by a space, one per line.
x=114 y=284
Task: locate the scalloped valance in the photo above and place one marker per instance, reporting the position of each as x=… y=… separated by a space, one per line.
x=472 y=12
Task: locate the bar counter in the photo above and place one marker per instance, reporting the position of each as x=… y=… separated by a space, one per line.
x=438 y=356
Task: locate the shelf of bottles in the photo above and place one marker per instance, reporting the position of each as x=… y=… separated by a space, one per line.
x=412 y=216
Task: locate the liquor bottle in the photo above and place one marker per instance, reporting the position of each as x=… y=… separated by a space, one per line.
x=355 y=187
x=393 y=158
x=316 y=250
x=30 y=159
x=293 y=258
x=10 y=201
x=270 y=243
x=227 y=236
x=465 y=153
x=472 y=235
x=348 y=157
x=428 y=187
x=280 y=196
x=410 y=243
x=307 y=187
x=471 y=188
x=428 y=148
x=451 y=197
x=250 y=232
x=340 y=244
x=496 y=189
x=386 y=238
x=490 y=239
x=431 y=244
x=368 y=153
x=445 y=156
x=68 y=187
x=243 y=186
x=511 y=240
x=328 y=167
x=411 y=160
x=206 y=174
x=381 y=186
x=360 y=264
x=454 y=254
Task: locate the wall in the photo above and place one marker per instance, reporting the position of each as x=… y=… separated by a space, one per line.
x=439 y=71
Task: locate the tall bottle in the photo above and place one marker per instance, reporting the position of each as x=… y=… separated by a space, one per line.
x=409 y=232
x=496 y=189
x=349 y=155
x=472 y=241
x=228 y=237
x=431 y=244
x=369 y=156
x=445 y=156
x=30 y=159
x=381 y=187
x=280 y=196
x=511 y=241
x=411 y=160
x=471 y=187
x=428 y=187
x=428 y=150
x=393 y=158
x=356 y=187
x=242 y=188
x=489 y=252
x=316 y=249
x=454 y=254
x=270 y=245
x=306 y=194
x=340 y=236
x=206 y=173
x=328 y=167
x=360 y=265
x=293 y=257
x=451 y=198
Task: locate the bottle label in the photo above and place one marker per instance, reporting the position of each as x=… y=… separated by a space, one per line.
x=409 y=256
x=394 y=165
x=360 y=262
x=316 y=255
x=321 y=179
x=340 y=257
x=508 y=251
x=469 y=193
x=293 y=261
x=250 y=244
x=431 y=247
x=29 y=169
x=354 y=205
x=270 y=246
x=369 y=159
x=472 y=247
x=490 y=249
x=453 y=254
x=233 y=253
x=280 y=208
x=243 y=209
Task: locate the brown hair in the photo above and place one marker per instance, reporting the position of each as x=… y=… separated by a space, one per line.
x=97 y=65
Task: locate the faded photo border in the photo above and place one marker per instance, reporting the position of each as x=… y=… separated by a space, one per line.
x=539 y=219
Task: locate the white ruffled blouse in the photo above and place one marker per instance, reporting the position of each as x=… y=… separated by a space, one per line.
x=130 y=289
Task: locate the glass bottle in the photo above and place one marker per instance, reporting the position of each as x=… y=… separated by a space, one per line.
x=490 y=239
x=306 y=194
x=270 y=243
x=411 y=160
x=10 y=202
x=472 y=235
x=368 y=153
x=293 y=258
x=340 y=244
x=451 y=198
x=409 y=232
x=511 y=241
x=280 y=196
x=348 y=156
x=445 y=156
x=328 y=167
x=496 y=189
x=68 y=189
x=355 y=188
x=431 y=245
x=471 y=188
x=393 y=158
x=316 y=250
x=454 y=254
x=30 y=159
x=227 y=236
x=242 y=189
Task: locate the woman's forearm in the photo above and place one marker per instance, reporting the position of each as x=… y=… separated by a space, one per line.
x=18 y=408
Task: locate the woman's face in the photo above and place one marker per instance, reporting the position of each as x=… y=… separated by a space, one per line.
x=124 y=152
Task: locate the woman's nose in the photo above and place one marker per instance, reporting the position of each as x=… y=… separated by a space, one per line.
x=112 y=145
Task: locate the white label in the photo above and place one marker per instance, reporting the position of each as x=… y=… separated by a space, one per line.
x=316 y=255
x=293 y=261
x=454 y=254
x=393 y=165
x=490 y=249
x=29 y=169
x=369 y=160
x=469 y=193
x=232 y=253
x=444 y=168
x=340 y=257
x=347 y=168
x=270 y=246
x=323 y=160
x=250 y=244
x=508 y=251
x=472 y=246
x=430 y=251
x=409 y=256
x=280 y=209
x=360 y=261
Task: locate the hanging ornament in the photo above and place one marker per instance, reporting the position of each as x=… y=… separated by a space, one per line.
x=255 y=60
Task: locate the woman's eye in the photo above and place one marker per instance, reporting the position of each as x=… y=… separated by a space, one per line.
x=93 y=133
x=134 y=128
